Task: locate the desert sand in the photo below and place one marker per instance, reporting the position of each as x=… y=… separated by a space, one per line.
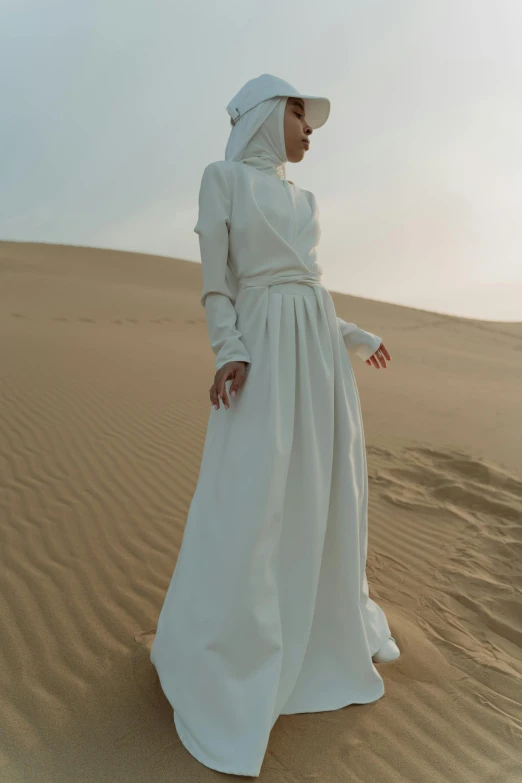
x=106 y=367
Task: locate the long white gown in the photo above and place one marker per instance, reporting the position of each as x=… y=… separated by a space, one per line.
x=268 y=612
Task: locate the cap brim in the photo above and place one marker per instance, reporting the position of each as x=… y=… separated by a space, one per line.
x=317 y=110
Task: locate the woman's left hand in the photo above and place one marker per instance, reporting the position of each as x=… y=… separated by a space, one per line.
x=379 y=357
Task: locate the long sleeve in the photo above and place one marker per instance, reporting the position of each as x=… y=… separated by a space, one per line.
x=363 y=344
x=217 y=296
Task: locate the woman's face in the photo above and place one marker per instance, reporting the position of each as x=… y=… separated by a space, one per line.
x=297 y=130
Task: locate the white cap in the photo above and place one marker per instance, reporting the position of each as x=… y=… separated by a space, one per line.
x=267 y=86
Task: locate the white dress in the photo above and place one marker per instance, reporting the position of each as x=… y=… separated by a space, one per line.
x=268 y=612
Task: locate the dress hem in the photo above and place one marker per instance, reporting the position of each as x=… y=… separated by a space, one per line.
x=189 y=744
x=199 y=756
x=339 y=706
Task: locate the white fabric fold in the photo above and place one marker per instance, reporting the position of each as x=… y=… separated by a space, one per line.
x=258 y=138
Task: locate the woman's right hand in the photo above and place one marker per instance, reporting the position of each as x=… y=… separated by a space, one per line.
x=234 y=370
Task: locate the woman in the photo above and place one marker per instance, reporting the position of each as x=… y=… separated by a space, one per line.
x=268 y=611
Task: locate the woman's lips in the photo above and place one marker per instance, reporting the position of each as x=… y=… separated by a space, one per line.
x=306 y=144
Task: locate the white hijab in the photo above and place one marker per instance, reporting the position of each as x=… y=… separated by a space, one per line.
x=258 y=138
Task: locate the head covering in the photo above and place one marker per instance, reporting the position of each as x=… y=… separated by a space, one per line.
x=258 y=139
x=257 y=118
x=267 y=86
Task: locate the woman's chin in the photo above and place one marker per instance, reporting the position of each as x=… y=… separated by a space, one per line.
x=297 y=156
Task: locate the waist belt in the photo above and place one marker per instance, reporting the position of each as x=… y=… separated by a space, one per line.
x=266 y=280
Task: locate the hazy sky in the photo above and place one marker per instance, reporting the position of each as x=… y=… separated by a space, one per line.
x=111 y=110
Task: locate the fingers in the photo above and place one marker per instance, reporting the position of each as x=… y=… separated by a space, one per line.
x=379 y=357
x=372 y=362
x=218 y=389
x=239 y=380
x=222 y=391
x=214 y=396
x=214 y=390
x=238 y=376
x=385 y=351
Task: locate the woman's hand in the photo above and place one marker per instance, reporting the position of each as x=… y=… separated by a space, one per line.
x=235 y=370
x=379 y=357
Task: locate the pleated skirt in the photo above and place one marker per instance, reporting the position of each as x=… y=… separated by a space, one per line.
x=268 y=611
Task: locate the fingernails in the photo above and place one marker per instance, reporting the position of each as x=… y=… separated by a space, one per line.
x=233 y=394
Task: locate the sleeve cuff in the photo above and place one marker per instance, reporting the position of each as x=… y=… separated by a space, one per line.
x=235 y=352
x=369 y=346
x=362 y=343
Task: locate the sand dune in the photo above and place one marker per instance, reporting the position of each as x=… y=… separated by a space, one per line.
x=105 y=369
